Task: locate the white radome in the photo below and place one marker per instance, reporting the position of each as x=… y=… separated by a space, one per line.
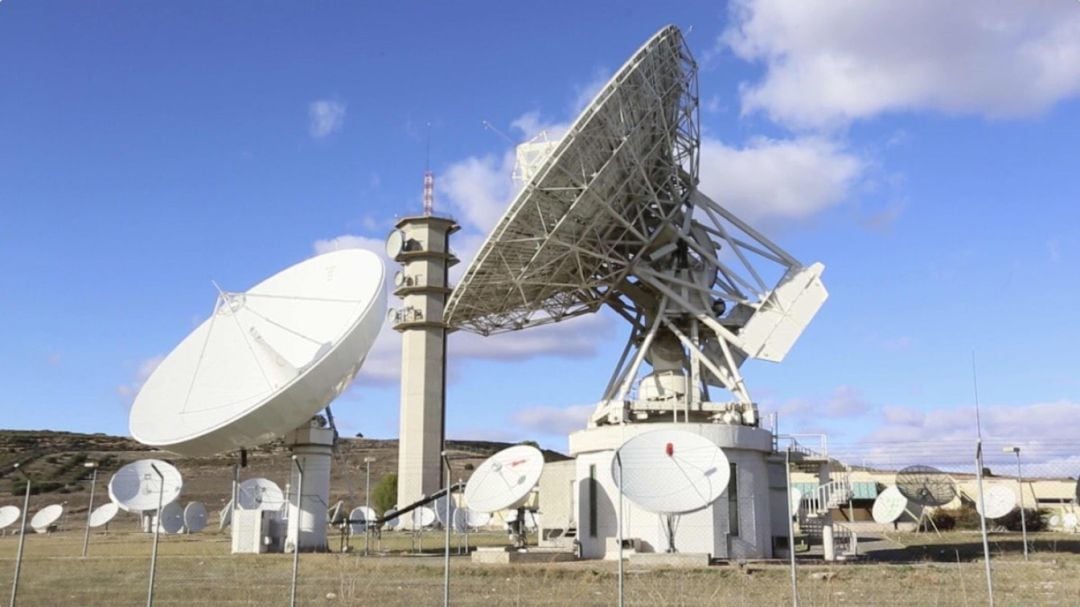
x=671 y=471
x=267 y=359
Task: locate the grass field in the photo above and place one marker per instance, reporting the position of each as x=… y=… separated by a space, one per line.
x=198 y=570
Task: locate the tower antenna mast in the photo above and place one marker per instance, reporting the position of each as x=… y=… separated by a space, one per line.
x=429 y=178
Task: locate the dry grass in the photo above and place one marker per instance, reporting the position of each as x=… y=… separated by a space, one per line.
x=197 y=570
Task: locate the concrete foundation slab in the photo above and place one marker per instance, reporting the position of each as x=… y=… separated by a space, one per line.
x=502 y=556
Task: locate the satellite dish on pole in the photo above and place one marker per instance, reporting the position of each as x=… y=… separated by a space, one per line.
x=358 y=521
x=1000 y=500
x=195 y=517
x=135 y=487
x=264 y=364
x=889 y=505
x=612 y=215
x=46 y=517
x=103 y=515
x=8 y=515
x=926 y=485
x=505 y=479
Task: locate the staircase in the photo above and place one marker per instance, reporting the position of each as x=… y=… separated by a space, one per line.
x=815 y=506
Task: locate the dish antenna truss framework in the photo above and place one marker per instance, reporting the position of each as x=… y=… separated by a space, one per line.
x=926 y=485
x=614 y=217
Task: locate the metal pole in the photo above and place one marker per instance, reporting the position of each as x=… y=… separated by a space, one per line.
x=367 y=504
x=447 y=523
x=296 y=540
x=982 y=523
x=89 y=509
x=1023 y=516
x=157 y=532
x=791 y=531
x=22 y=537
x=619 y=521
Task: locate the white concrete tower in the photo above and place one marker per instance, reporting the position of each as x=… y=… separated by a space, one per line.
x=422 y=245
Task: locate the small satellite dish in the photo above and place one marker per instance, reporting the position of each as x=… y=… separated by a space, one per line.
x=440 y=510
x=395 y=244
x=477 y=519
x=172 y=518
x=461 y=520
x=1055 y=521
x=103 y=514
x=1070 y=521
x=267 y=359
x=889 y=505
x=671 y=471
x=259 y=494
x=422 y=517
x=8 y=515
x=391 y=523
x=926 y=485
x=136 y=487
x=46 y=517
x=195 y=517
x=505 y=479
x=1000 y=500
x=357 y=521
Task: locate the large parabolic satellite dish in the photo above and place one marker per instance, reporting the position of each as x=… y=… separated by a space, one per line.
x=611 y=214
x=267 y=359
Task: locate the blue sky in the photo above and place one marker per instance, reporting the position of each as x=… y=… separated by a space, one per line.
x=146 y=149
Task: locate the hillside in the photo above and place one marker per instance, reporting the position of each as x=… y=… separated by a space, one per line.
x=54 y=460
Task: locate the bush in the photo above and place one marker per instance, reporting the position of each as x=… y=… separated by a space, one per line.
x=942 y=520
x=1035 y=520
x=384 y=495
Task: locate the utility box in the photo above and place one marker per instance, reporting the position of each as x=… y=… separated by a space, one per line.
x=251 y=531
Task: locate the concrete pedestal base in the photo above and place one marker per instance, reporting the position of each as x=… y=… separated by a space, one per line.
x=503 y=556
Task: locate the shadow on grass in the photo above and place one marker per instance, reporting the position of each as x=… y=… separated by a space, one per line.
x=887 y=549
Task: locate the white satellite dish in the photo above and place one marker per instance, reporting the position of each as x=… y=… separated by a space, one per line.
x=267 y=359
x=422 y=517
x=671 y=471
x=440 y=510
x=889 y=505
x=612 y=214
x=136 y=486
x=46 y=517
x=391 y=523
x=1069 y=521
x=357 y=521
x=460 y=520
x=172 y=518
x=103 y=514
x=505 y=479
x=8 y=515
x=195 y=517
x=1000 y=499
x=259 y=494
x=477 y=519
x=1055 y=521
x=796 y=500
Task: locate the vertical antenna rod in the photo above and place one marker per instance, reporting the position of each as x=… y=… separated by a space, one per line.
x=979 y=480
x=429 y=178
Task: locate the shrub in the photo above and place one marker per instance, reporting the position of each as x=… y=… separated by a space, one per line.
x=384 y=495
x=942 y=520
x=1035 y=520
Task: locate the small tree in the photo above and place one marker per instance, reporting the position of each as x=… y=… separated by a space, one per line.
x=384 y=495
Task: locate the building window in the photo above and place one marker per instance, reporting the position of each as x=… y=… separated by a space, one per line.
x=592 y=500
x=733 y=502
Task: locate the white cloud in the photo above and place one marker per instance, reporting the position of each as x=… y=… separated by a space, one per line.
x=828 y=63
x=1036 y=421
x=479 y=189
x=844 y=402
x=326 y=116
x=142 y=373
x=770 y=178
x=558 y=421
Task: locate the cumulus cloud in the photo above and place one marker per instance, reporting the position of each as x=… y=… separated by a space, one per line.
x=558 y=421
x=325 y=117
x=844 y=402
x=143 y=371
x=1036 y=421
x=770 y=178
x=826 y=64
